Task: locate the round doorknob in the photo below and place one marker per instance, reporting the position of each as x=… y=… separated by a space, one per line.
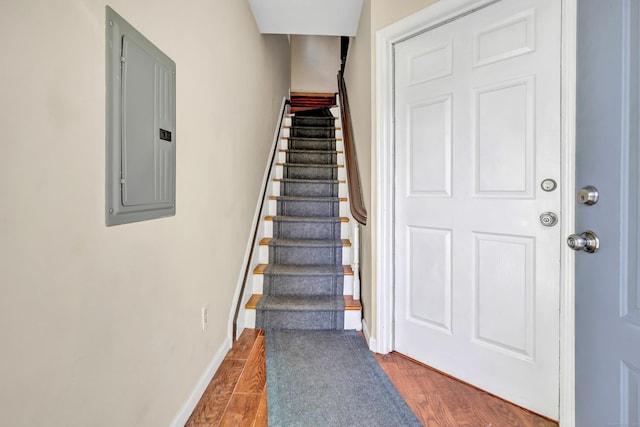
x=587 y=241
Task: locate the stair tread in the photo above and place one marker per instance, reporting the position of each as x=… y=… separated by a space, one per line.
x=298 y=150
x=312 y=138
x=321 y=243
x=253 y=301
x=267 y=240
x=305 y=269
x=310 y=181
x=288 y=218
x=311 y=165
x=329 y=126
x=313 y=127
x=337 y=138
x=302 y=303
x=349 y=302
x=296 y=270
x=309 y=198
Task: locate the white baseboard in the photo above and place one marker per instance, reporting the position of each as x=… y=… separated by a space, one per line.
x=373 y=345
x=201 y=386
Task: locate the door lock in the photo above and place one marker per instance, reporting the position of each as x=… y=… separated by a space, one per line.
x=548 y=219
x=588 y=195
x=548 y=185
x=587 y=241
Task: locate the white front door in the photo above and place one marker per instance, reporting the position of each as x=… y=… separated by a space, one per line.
x=477 y=154
x=608 y=157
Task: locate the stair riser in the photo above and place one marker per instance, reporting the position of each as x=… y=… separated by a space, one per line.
x=258 y=283
x=264 y=253
x=352 y=319
x=314 y=121
x=310 y=172
x=317 y=320
x=312 y=157
x=280 y=284
x=308 y=208
x=284 y=188
x=345 y=230
x=311 y=144
x=273 y=209
x=315 y=189
x=300 y=255
x=306 y=230
x=282 y=155
x=341 y=171
x=312 y=132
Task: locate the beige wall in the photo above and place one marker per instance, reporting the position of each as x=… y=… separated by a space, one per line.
x=386 y=12
x=101 y=326
x=315 y=61
x=360 y=76
x=358 y=81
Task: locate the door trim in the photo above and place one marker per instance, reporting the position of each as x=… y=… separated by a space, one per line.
x=438 y=14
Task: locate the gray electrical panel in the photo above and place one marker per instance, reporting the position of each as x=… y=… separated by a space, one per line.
x=141 y=126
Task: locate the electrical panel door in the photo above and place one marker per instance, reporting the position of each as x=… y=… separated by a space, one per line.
x=141 y=132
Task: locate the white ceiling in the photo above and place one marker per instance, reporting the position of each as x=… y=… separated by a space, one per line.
x=317 y=17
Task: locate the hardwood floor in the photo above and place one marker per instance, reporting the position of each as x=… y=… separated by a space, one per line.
x=237 y=394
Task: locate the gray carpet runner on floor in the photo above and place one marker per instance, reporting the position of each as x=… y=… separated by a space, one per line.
x=303 y=282
x=329 y=379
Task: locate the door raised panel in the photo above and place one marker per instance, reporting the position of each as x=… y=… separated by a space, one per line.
x=504 y=139
x=630 y=182
x=504 y=293
x=429 y=297
x=630 y=398
x=429 y=150
x=430 y=65
x=509 y=38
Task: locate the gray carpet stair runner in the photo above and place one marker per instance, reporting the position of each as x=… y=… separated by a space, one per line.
x=303 y=282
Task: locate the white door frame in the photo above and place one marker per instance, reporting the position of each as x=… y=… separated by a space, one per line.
x=422 y=21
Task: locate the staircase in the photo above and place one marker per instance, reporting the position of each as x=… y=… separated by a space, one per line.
x=304 y=279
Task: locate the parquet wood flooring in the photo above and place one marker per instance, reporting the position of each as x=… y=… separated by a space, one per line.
x=237 y=393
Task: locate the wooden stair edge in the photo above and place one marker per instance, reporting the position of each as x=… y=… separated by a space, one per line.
x=313 y=94
x=312 y=164
x=270 y=218
x=287 y=137
x=348 y=271
x=340 y=199
x=253 y=302
x=349 y=302
x=323 y=127
x=265 y=242
x=341 y=181
x=284 y=150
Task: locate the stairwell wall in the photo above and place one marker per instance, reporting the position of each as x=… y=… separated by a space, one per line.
x=315 y=61
x=360 y=77
x=102 y=326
